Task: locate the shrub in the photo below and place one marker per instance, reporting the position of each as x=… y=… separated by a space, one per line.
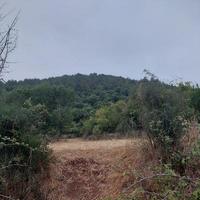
x=164 y=113
x=23 y=157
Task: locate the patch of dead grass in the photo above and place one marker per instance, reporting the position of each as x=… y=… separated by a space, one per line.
x=91 y=170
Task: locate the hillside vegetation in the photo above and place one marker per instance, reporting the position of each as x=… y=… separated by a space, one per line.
x=60 y=106
x=166 y=116
x=80 y=105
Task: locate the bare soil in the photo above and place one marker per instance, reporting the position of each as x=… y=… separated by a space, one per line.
x=90 y=170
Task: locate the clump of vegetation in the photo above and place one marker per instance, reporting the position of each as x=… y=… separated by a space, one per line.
x=69 y=100
x=164 y=114
x=24 y=155
x=169 y=116
x=23 y=159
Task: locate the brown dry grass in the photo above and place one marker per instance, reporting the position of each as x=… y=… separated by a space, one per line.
x=81 y=144
x=91 y=170
x=190 y=139
x=94 y=170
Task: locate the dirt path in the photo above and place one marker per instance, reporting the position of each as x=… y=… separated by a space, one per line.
x=88 y=170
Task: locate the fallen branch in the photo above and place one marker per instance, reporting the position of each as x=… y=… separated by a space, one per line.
x=13 y=165
x=160 y=175
x=6 y=197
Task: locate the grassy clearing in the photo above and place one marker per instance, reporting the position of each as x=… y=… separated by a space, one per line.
x=91 y=169
x=81 y=144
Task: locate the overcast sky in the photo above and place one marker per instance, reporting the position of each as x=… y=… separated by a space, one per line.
x=119 y=37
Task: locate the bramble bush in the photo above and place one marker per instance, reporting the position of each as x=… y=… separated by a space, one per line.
x=24 y=157
x=164 y=114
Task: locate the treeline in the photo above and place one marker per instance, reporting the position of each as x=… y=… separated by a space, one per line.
x=59 y=106
x=83 y=105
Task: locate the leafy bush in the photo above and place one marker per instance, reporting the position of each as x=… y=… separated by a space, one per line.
x=106 y=119
x=22 y=159
x=164 y=114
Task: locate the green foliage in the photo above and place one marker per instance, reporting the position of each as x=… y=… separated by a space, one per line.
x=22 y=159
x=163 y=112
x=98 y=104
x=106 y=119
x=23 y=152
x=195 y=101
x=66 y=102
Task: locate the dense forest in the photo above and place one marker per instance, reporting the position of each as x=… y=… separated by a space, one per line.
x=62 y=105
x=81 y=105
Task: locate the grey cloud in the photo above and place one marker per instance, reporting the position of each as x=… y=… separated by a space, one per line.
x=107 y=36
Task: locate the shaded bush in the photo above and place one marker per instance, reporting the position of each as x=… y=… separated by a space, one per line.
x=164 y=114
x=24 y=157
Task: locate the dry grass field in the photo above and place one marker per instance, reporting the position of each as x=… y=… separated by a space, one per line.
x=91 y=170
x=81 y=144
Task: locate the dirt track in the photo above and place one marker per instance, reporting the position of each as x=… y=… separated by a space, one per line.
x=88 y=170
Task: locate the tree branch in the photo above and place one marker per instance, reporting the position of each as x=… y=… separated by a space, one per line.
x=13 y=165
x=161 y=175
x=7 y=43
x=6 y=197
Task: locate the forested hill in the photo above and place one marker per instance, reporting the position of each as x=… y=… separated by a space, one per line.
x=65 y=102
x=80 y=90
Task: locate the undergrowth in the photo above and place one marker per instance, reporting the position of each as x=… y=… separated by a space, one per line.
x=176 y=179
x=23 y=161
